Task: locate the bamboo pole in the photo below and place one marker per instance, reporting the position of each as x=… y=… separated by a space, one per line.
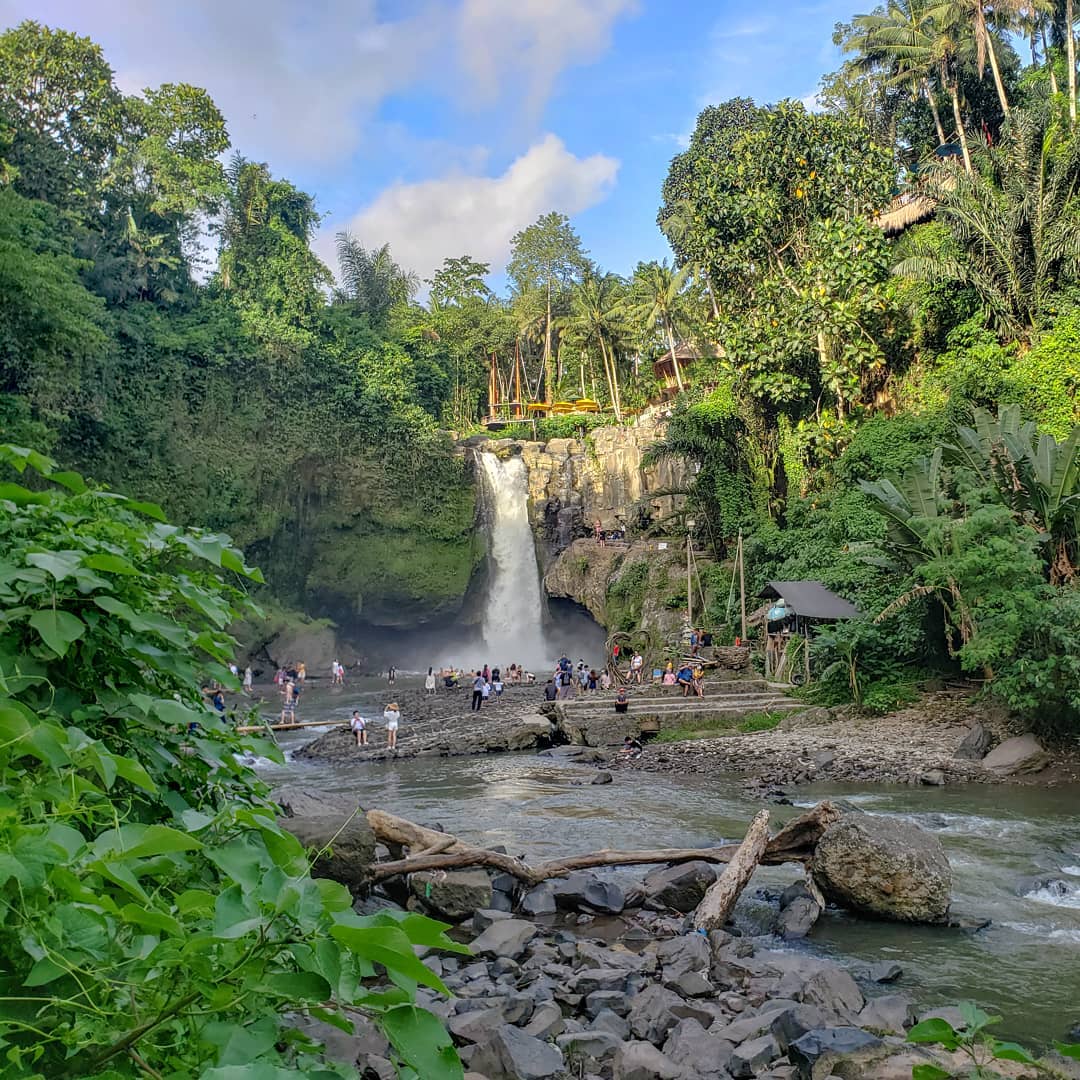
x=720 y=898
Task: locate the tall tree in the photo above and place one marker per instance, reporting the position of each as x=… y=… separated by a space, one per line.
x=57 y=92
x=596 y=315
x=655 y=304
x=548 y=256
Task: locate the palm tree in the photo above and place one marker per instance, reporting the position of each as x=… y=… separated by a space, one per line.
x=919 y=38
x=898 y=42
x=1015 y=225
x=655 y=303
x=596 y=314
x=371 y=280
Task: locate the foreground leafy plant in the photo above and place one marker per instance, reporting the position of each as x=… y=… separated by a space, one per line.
x=975 y=1043
x=155 y=920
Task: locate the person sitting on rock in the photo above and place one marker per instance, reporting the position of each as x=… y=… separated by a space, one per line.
x=621 y=701
x=685 y=679
x=359 y=728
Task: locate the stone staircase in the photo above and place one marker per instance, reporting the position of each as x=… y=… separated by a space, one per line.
x=591 y=720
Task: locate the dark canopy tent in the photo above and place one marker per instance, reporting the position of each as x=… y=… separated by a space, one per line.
x=809 y=600
x=798 y=605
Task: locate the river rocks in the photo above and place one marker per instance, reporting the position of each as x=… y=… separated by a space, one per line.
x=698 y=1051
x=884 y=868
x=799 y=911
x=452 y=894
x=752 y=1056
x=585 y=891
x=510 y=1054
x=680 y=887
x=525 y=734
x=975 y=743
x=1022 y=754
x=540 y=900
x=890 y=1014
x=818 y=1052
x=602 y=777
x=834 y=991
x=642 y=1061
x=505 y=938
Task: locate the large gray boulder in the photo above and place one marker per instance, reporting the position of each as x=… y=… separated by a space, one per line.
x=350 y=856
x=884 y=868
x=818 y=1053
x=1022 y=754
x=453 y=894
x=510 y=1054
x=679 y=887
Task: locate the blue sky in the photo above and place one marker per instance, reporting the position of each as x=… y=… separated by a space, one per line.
x=444 y=126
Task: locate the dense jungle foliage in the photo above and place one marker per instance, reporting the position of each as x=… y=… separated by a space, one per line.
x=155 y=919
x=889 y=402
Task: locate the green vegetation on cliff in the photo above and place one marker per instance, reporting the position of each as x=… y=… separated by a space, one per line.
x=893 y=411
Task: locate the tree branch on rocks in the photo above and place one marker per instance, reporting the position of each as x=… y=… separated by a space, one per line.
x=719 y=899
x=443 y=851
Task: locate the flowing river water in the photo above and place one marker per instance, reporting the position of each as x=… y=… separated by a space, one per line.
x=1001 y=840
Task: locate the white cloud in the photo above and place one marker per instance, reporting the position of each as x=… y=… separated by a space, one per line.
x=460 y=214
x=299 y=83
x=505 y=44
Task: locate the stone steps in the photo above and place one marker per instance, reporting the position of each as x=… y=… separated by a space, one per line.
x=660 y=706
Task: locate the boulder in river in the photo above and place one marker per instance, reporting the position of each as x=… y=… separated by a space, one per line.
x=680 y=887
x=316 y=820
x=974 y=745
x=884 y=868
x=1022 y=754
x=453 y=894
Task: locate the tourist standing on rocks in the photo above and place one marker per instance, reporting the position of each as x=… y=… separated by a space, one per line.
x=551 y=691
x=359 y=728
x=301 y=672
x=249 y=680
x=605 y=680
x=429 y=681
x=497 y=685
x=598 y=532
x=392 y=716
x=637 y=662
x=485 y=691
x=288 y=707
x=391 y=675
x=478 y=691
x=593 y=680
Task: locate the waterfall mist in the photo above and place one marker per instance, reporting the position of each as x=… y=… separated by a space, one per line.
x=513 y=607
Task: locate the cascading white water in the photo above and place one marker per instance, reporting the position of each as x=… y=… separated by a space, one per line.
x=513 y=620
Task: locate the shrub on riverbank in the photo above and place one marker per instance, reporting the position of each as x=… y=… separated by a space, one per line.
x=155 y=919
x=709 y=727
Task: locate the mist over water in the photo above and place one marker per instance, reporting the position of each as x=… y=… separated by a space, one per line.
x=513 y=607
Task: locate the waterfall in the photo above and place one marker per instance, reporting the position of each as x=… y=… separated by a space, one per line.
x=514 y=604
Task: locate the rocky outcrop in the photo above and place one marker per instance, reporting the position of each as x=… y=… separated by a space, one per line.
x=884 y=868
x=574 y=482
x=642 y=586
x=1022 y=754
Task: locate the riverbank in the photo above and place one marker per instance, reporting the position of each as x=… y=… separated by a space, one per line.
x=944 y=739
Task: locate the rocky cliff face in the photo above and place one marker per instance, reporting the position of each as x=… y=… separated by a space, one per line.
x=640 y=586
x=574 y=482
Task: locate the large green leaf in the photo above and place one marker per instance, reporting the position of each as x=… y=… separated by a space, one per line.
x=60 y=564
x=422 y=1042
x=387 y=945
x=58 y=629
x=934 y=1030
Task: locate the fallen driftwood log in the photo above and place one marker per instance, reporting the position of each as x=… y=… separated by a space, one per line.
x=719 y=899
x=433 y=850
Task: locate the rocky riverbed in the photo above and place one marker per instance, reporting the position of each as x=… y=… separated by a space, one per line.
x=575 y=992
x=443 y=725
x=945 y=740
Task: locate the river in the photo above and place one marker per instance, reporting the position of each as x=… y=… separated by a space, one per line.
x=1026 y=965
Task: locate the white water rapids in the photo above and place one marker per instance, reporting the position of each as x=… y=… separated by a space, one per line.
x=513 y=619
